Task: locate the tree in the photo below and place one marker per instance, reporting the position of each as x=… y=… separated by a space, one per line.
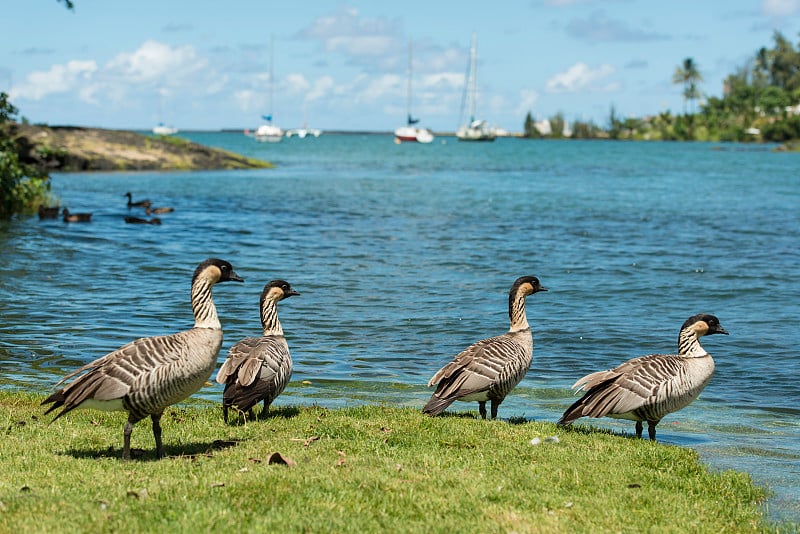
x=689 y=76
x=21 y=187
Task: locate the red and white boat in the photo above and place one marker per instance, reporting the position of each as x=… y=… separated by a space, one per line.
x=411 y=133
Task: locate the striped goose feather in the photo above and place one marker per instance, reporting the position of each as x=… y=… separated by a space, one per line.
x=147 y=375
x=650 y=387
x=258 y=368
x=489 y=369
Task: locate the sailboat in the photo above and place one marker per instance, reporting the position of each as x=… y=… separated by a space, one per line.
x=161 y=128
x=475 y=129
x=410 y=132
x=269 y=133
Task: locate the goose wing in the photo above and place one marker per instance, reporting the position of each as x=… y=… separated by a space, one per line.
x=257 y=369
x=113 y=376
x=632 y=385
x=477 y=368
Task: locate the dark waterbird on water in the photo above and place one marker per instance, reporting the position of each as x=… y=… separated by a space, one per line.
x=76 y=217
x=48 y=212
x=139 y=220
x=137 y=204
x=150 y=374
x=148 y=209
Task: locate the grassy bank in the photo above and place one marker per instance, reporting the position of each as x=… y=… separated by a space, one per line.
x=362 y=469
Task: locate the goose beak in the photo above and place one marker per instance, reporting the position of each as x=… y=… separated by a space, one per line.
x=719 y=330
x=292 y=293
x=541 y=288
x=235 y=277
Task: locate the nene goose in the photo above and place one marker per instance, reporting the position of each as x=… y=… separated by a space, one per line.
x=146 y=376
x=76 y=217
x=649 y=387
x=137 y=204
x=258 y=368
x=490 y=368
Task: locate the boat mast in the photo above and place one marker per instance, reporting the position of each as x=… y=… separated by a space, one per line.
x=408 y=95
x=271 y=73
x=473 y=75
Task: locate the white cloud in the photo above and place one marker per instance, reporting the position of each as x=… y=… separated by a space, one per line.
x=362 y=39
x=153 y=68
x=59 y=79
x=248 y=100
x=780 y=8
x=582 y=78
x=320 y=89
x=527 y=101
x=157 y=63
x=295 y=83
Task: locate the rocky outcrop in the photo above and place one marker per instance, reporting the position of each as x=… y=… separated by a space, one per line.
x=70 y=149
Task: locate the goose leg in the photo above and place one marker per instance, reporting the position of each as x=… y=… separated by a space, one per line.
x=639 y=428
x=495 y=406
x=225 y=413
x=482 y=409
x=126 y=443
x=651 y=429
x=156 y=417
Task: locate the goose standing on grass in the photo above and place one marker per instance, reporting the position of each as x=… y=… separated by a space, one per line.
x=489 y=369
x=76 y=217
x=146 y=376
x=258 y=368
x=649 y=387
x=137 y=204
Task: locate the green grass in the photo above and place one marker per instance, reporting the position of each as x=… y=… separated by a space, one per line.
x=362 y=469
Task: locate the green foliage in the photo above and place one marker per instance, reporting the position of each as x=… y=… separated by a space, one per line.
x=22 y=189
x=360 y=469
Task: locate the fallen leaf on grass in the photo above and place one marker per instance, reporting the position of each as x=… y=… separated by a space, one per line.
x=218 y=485
x=278 y=458
x=306 y=441
x=341 y=461
x=137 y=494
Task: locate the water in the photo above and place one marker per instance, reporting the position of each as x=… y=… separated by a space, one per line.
x=404 y=255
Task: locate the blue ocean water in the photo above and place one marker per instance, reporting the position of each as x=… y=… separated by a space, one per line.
x=404 y=255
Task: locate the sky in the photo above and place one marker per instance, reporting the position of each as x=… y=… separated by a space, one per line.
x=343 y=65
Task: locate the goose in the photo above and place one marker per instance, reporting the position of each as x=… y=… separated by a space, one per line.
x=147 y=375
x=489 y=369
x=649 y=387
x=258 y=368
x=48 y=212
x=76 y=217
x=139 y=220
x=137 y=204
x=148 y=209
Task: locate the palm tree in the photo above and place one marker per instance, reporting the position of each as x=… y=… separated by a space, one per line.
x=688 y=75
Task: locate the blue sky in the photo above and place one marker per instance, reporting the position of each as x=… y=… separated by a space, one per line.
x=342 y=65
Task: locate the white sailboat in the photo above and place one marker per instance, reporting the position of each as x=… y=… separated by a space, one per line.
x=474 y=129
x=268 y=132
x=161 y=128
x=410 y=132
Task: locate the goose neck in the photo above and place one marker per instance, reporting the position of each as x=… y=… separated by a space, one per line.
x=205 y=313
x=516 y=312
x=689 y=344
x=269 y=318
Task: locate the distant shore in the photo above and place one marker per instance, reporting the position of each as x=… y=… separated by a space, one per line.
x=73 y=149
